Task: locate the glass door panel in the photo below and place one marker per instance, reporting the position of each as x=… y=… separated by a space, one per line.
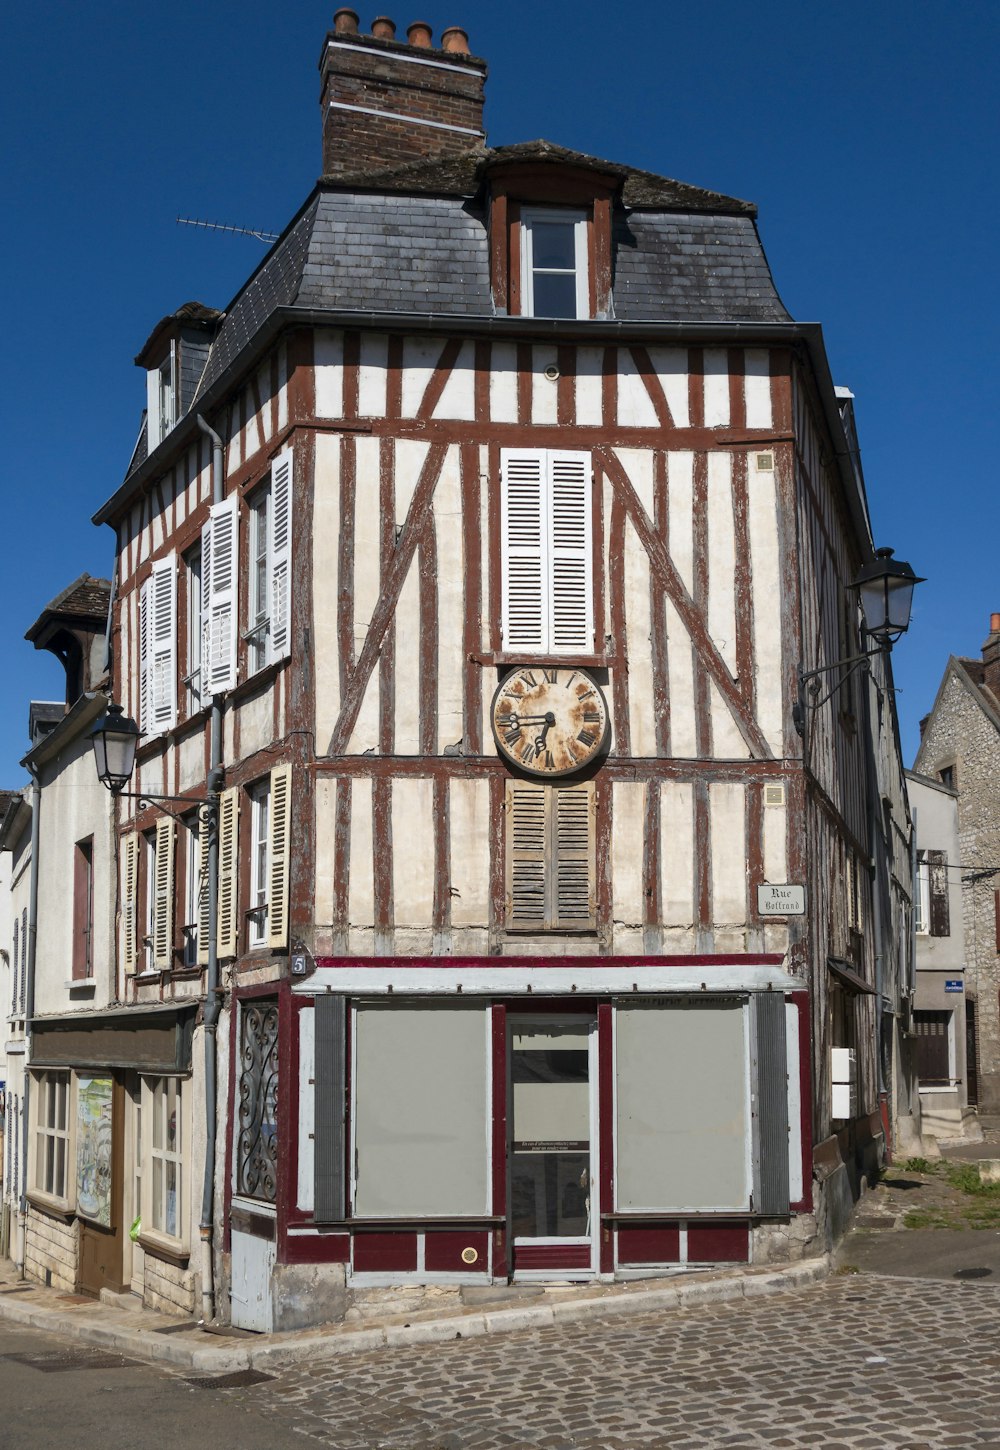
x=552 y=1114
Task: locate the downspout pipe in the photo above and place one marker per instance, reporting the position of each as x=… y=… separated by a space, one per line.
x=213 y=787
x=29 y=1005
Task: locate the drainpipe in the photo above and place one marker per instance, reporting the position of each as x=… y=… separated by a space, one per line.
x=212 y=1004
x=29 y=1005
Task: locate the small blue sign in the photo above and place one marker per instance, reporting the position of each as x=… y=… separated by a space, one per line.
x=954 y=986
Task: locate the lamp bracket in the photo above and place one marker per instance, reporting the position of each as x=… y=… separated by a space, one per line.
x=207 y=810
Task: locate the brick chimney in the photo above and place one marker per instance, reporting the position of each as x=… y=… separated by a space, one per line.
x=991 y=656
x=386 y=102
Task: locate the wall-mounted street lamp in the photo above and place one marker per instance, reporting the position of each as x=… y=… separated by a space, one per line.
x=886 y=589
x=115 y=739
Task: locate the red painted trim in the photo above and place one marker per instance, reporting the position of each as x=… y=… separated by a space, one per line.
x=288 y=1114
x=317 y=1249
x=552 y=1256
x=800 y=1001
x=443 y=1252
x=701 y=959
x=501 y=1265
x=718 y=1243
x=648 y=1243
x=376 y=1253
x=606 y=1129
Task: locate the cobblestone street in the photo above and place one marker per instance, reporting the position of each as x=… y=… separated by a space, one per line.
x=855 y=1361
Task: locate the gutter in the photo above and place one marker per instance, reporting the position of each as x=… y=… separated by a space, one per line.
x=29 y=1004
x=810 y=334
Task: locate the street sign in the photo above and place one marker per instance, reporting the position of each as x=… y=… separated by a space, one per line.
x=784 y=900
x=954 y=986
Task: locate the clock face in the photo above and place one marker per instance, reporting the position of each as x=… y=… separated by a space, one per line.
x=549 y=721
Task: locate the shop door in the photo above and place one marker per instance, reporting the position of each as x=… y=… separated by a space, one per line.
x=552 y=1149
x=100 y=1130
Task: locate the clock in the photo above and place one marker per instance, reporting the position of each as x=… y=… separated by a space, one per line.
x=549 y=721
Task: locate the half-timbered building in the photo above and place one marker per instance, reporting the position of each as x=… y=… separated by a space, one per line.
x=537 y=917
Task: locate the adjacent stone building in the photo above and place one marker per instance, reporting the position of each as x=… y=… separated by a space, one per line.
x=960 y=747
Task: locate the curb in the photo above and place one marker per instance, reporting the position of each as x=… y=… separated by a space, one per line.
x=152 y=1346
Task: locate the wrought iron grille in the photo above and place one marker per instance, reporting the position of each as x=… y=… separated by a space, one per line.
x=257 y=1153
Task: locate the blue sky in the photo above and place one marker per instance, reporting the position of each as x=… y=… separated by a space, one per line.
x=864 y=132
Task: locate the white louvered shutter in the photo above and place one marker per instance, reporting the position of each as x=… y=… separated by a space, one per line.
x=526 y=837
x=571 y=590
x=572 y=883
x=523 y=548
x=202 y=914
x=229 y=823
x=280 y=552
x=278 y=851
x=145 y=629
x=163 y=894
x=161 y=647
x=220 y=563
x=130 y=873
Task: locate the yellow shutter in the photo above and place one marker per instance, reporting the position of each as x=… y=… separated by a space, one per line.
x=130 y=865
x=551 y=850
x=162 y=886
x=278 y=850
x=229 y=820
x=202 y=913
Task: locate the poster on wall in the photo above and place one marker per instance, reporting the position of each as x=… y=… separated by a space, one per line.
x=93 y=1149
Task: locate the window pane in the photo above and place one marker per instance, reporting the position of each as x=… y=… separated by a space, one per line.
x=550 y=1195
x=157 y=1116
x=61 y=1096
x=59 y=1171
x=553 y=244
x=170 y=1214
x=555 y=295
x=173 y=1121
x=157 y=1205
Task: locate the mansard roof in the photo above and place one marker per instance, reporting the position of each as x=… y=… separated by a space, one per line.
x=413 y=241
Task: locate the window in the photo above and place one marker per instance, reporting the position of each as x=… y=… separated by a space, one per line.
x=193 y=878
x=921 y=896
x=161 y=399
x=83 y=909
x=218 y=599
x=548 y=604
x=194 y=631
x=550 y=857
x=260 y=808
x=52 y=1136
x=146 y=958
x=268 y=636
x=162 y=1149
x=158 y=648
x=257 y=1139
x=554 y=272
x=130 y=901
x=13 y=972
x=946 y=775
x=935 y=1034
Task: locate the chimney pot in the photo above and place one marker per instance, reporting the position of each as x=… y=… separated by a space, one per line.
x=384 y=28
x=995 y=624
x=419 y=34
x=455 y=40
x=345 y=22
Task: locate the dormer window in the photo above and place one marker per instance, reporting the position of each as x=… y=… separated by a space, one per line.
x=161 y=398
x=554 y=262
x=550 y=239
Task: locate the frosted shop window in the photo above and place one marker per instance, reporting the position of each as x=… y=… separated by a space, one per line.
x=421 y=1122
x=683 y=1108
x=555 y=280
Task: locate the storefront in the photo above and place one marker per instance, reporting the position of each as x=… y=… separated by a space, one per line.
x=586 y=1122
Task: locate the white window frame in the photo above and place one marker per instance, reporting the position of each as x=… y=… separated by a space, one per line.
x=258 y=631
x=161 y=398
x=565 y=216
x=154 y=1101
x=260 y=862
x=192 y=892
x=922 y=896
x=47 y=1135
x=547 y=567
x=952 y=1086
x=145 y=954
x=193 y=579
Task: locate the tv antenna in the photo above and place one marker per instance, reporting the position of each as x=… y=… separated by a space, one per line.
x=258 y=232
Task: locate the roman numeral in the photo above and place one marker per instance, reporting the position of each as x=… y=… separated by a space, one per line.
x=587 y=695
x=528 y=678
x=511 y=734
x=592 y=716
x=586 y=737
x=551 y=677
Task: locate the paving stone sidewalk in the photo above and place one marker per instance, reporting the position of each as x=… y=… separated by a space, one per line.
x=856 y=1361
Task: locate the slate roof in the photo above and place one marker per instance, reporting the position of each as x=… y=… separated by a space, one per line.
x=86 y=598
x=414 y=240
